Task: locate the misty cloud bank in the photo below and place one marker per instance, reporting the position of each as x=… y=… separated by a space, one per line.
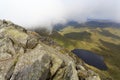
x=46 y=13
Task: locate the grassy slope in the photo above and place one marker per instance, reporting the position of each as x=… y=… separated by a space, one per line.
x=103 y=41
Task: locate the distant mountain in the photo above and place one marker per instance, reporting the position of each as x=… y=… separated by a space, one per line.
x=88 y=23
x=99 y=23
x=69 y=23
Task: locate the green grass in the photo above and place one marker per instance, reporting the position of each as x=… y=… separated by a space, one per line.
x=79 y=36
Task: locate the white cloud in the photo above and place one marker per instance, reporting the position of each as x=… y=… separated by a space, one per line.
x=47 y=12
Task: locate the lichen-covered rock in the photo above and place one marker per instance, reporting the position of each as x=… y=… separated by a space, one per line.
x=24 y=57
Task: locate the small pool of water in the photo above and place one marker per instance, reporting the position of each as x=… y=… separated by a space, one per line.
x=91 y=58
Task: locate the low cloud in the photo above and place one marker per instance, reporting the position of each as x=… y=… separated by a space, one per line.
x=46 y=13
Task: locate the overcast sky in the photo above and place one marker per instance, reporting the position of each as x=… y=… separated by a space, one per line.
x=48 y=12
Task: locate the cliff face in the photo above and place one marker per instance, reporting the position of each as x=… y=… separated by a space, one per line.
x=24 y=57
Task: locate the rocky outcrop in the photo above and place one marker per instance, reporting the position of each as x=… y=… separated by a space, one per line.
x=24 y=57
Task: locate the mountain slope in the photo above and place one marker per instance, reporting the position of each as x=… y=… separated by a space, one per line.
x=104 y=41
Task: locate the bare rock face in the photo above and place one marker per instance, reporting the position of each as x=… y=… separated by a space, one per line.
x=24 y=57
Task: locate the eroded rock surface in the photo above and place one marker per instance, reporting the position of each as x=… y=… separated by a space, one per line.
x=24 y=57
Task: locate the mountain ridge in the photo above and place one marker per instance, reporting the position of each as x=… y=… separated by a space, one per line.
x=23 y=56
